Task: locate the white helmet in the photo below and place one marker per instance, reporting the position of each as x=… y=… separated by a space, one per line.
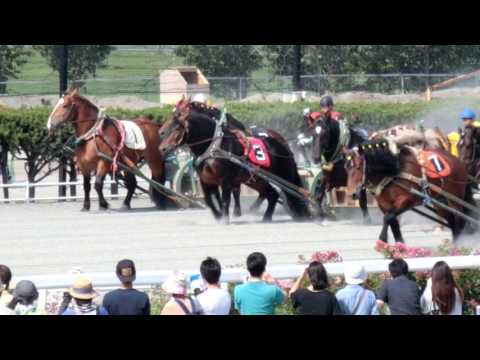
x=201 y=98
x=306 y=111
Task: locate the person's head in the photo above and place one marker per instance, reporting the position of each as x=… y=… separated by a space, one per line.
x=176 y=284
x=25 y=292
x=468 y=116
x=443 y=287
x=211 y=270
x=398 y=267
x=5 y=276
x=326 y=104
x=82 y=290
x=256 y=264
x=355 y=274
x=126 y=272
x=318 y=276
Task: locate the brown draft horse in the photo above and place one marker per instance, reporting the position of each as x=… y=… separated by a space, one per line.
x=469 y=151
x=94 y=136
x=194 y=125
x=374 y=163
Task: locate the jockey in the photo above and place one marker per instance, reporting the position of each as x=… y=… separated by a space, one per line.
x=468 y=116
x=201 y=98
x=326 y=104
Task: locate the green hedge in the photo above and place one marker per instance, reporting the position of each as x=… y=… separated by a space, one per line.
x=286 y=118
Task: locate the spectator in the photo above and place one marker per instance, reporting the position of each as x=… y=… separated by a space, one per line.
x=82 y=293
x=260 y=293
x=180 y=303
x=400 y=294
x=355 y=299
x=127 y=300
x=5 y=279
x=4 y=310
x=442 y=296
x=316 y=299
x=25 y=296
x=214 y=300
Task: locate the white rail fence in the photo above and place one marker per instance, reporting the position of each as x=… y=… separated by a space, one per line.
x=28 y=185
x=237 y=275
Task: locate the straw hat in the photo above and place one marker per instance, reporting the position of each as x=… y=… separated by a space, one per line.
x=83 y=289
x=176 y=284
x=355 y=274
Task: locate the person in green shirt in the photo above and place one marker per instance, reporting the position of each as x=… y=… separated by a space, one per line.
x=260 y=294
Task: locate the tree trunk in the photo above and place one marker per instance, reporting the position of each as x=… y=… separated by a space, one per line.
x=4 y=169
x=31 y=180
x=62 y=177
x=73 y=178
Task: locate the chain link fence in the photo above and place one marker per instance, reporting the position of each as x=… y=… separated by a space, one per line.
x=240 y=88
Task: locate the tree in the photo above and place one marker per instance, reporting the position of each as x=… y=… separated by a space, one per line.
x=12 y=57
x=83 y=60
x=25 y=134
x=222 y=60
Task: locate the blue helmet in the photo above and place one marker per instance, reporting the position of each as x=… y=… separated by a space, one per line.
x=468 y=114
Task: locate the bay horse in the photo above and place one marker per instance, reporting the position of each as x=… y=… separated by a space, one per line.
x=194 y=125
x=469 y=151
x=95 y=135
x=327 y=149
x=377 y=164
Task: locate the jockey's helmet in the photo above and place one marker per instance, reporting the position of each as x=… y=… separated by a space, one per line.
x=326 y=101
x=468 y=114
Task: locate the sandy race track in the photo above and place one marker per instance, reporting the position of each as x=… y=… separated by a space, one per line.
x=50 y=238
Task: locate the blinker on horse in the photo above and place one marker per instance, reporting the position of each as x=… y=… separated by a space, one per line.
x=194 y=125
x=97 y=135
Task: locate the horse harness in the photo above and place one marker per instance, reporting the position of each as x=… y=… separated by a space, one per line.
x=97 y=131
x=343 y=140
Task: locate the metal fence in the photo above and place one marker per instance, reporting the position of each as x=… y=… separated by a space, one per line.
x=26 y=185
x=239 y=88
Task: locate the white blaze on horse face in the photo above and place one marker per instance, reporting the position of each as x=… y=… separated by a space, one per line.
x=318 y=130
x=60 y=102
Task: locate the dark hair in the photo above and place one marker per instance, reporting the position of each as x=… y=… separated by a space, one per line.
x=318 y=276
x=211 y=270
x=443 y=287
x=5 y=276
x=398 y=267
x=256 y=264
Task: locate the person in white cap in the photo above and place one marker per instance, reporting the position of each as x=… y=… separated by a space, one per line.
x=180 y=303
x=355 y=299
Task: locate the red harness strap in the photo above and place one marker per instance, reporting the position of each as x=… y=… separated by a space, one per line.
x=117 y=149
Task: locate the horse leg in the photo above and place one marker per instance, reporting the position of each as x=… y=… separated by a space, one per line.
x=208 y=191
x=102 y=170
x=384 y=233
x=272 y=198
x=86 y=189
x=131 y=184
x=256 y=205
x=237 y=211
x=226 y=197
x=319 y=196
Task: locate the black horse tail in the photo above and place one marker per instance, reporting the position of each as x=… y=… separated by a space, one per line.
x=298 y=207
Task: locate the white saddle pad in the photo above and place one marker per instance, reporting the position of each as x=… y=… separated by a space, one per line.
x=133 y=136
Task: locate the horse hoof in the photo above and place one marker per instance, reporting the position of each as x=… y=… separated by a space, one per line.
x=125 y=207
x=267 y=220
x=237 y=213
x=103 y=207
x=85 y=209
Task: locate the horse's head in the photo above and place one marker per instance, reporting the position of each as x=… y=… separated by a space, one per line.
x=355 y=168
x=64 y=110
x=175 y=128
x=467 y=145
x=321 y=138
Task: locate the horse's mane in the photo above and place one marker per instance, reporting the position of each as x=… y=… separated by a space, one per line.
x=381 y=160
x=86 y=102
x=213 y=112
